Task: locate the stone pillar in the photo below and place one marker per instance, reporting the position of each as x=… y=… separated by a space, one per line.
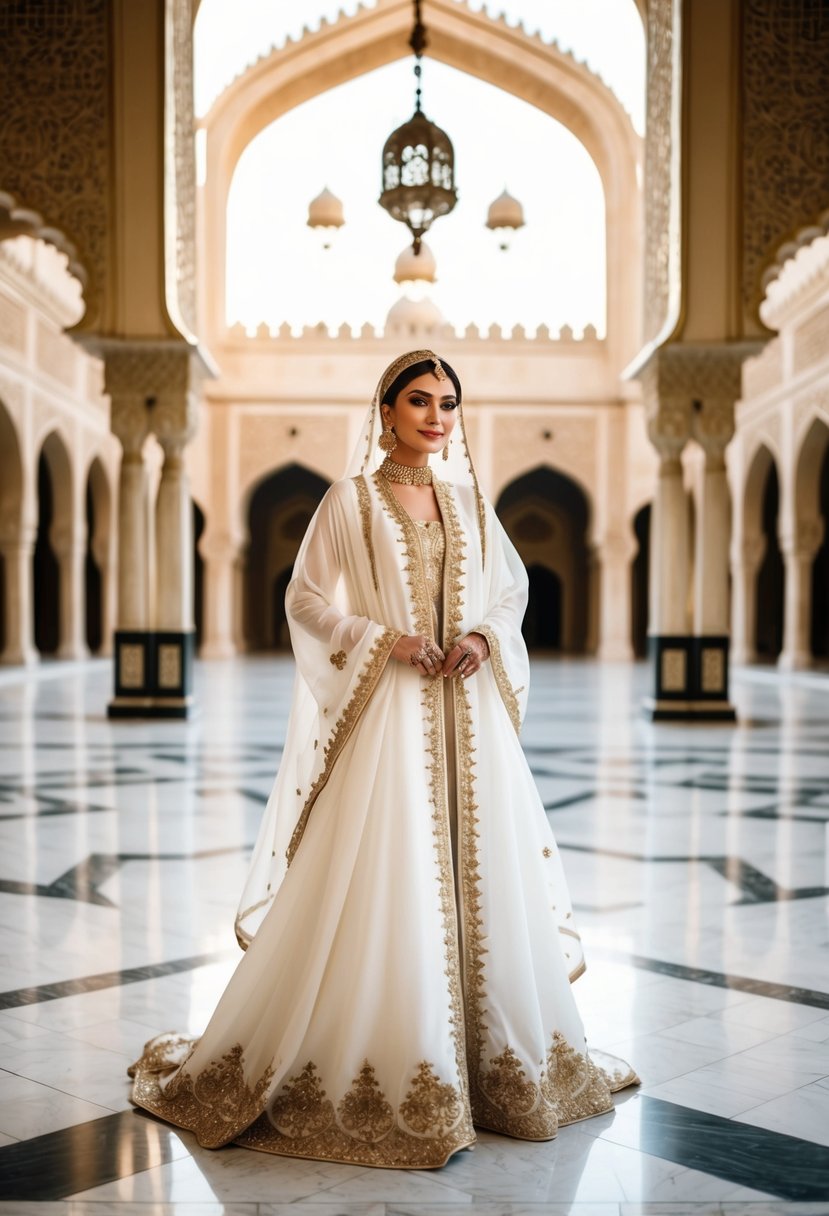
x=17 y=546
x=221 y=558
x=69 y=548
x=174 y=541
x=690 y=391
x=746 y=559
x=615 y=554
x=102 y=555
x=799 y=547
x=152 y=386
x=713 y=428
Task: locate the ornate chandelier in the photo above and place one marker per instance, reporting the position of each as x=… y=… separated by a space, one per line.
x=418 y=161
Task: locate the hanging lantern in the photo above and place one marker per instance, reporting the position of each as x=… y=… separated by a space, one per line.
x=325 y=216
x=418 y=161
x=505 y=216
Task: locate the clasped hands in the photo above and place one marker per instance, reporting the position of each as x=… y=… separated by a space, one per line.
x=465 y=658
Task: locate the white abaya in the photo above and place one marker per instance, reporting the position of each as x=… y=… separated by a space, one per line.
x=389 y=1001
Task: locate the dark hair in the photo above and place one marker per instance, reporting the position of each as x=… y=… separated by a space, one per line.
x=425 y=368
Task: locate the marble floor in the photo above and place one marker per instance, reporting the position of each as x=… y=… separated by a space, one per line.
x=697 y=857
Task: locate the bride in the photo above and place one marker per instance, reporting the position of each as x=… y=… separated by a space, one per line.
x=409 y=937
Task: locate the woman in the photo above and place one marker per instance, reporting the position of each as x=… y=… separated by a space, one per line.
x=408 y=933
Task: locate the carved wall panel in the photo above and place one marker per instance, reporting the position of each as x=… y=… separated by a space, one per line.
x=12 y=324
x=266 y=445
x=811 y=340
x=56 y=356
x=662 y=267
x=571 y=450
x=55 y=120
x=180 y=184
x=785 y=127
x=763 y=372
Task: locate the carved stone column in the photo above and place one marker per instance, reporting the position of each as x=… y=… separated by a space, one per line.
x=102 y=554
x=174 y=422
x=17 y=547
x=615 y=554
x=799 y=547
x=690 y=392
x=747 y=557
x=713 y=429
x=221 y=557
x=152 y=386
x=68 y=545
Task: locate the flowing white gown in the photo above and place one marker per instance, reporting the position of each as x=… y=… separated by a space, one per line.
x=410 y=944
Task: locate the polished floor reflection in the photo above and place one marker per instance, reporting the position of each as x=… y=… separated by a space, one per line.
x=697 y=858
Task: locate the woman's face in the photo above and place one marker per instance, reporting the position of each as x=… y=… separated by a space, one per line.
x=423 y=416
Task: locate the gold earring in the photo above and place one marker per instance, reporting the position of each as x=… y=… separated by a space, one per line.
x=387 y=440
x=445 y=452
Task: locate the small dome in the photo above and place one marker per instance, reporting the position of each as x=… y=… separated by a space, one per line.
x=325 y=211
x=415 y=267
x=407 y=315
x=505 y=212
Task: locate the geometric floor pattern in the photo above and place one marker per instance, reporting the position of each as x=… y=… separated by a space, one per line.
x=697 y=859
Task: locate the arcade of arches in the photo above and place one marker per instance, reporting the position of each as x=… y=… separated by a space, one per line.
x=667 y=485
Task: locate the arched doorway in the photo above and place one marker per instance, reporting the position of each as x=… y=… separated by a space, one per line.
x=770 y=576
x=280 y=509
x=813 y=500
x=545 y=514
x=11 y=508
x=97 y=557
x=54 y=530
x=640 y=582
x=198 y=574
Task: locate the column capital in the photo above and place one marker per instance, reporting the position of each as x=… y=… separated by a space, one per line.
x=803 y=540
x=154 y=388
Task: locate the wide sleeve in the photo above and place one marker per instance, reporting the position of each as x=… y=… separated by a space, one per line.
x=341 y=655
x=506 y=589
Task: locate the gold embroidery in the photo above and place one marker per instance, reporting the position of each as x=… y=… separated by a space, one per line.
x=302 y=1108
x=432 y=548
x=547 y=851
x=365 y=1131
x=364 y=1112
x=338 y=659
x=372 y=670
x=452 y=567
x=415 y=577
x=364 y=501
x=505 y=1084
x=509 y=695
x=215 y=1103
x=434 y=729
x=431 y=1106
x=570 y=1087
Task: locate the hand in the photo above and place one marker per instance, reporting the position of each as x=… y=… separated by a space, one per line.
x=419 y=652
x=467 y=656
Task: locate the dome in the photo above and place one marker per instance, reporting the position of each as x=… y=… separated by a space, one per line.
x=408 y=315
x=505 y=212
x=412 y=267
x=325 y=211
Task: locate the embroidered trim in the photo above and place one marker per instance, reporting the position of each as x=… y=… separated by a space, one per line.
x=452 y=566
x=509 y=695
x=220 y=1106
x=435 y=746
x=373 y=668
x=570 y=1088
x=415 y=575
x=364 y=502
x=338 y=660
x=215 y=1103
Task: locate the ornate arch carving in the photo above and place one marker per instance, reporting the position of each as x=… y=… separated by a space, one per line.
x=473 y=42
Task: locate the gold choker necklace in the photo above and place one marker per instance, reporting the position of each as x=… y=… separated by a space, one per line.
x=407 y=474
